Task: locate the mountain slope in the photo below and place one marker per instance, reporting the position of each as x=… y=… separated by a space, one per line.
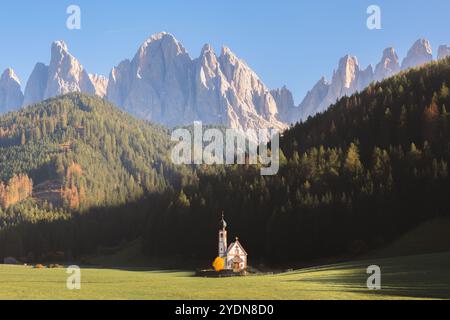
x=409 y=107
x=81 y=151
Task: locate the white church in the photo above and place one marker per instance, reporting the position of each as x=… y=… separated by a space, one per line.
x=234 y=255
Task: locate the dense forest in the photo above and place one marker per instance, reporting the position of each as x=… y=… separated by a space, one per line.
x=351 y=179
x=86 y=152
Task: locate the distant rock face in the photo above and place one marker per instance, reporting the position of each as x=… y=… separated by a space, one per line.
x=314 y=98
x=100 y=84
x=345 y=79
x=248 y=98
x=365 y=77
x=419 y=54
x=11 y=96
x=443 y=52
x=164 y=85
x=35 y=89
x=287 y=110
x=64 y=74
x=151 y=85
x=208 y=85
x=349 y=78
x=388 y=66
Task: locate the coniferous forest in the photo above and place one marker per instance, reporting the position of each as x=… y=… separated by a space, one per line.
x=77 y=174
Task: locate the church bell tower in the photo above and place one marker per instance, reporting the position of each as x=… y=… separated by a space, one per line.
x=223 y=238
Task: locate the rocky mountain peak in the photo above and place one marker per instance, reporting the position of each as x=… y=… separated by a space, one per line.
x=388 y=66
x=349 y=78
x=163 y=42
x=36 y=85
x=66 y=74
x=63 y=75
x=419 y=54
x=163 y=84
x=314 y=98
x=59 y=48
x=225 y=51
x=347 y=71
x=100 y=84
x=208 y=67
x=287 y=110
x=11 y=96
x=229 y=62
x=389 y=54
x=443 y=52
x=207 y=49
x=9 y=75
x=208 y=56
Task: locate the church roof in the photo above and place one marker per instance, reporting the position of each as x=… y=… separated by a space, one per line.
x=236 y=243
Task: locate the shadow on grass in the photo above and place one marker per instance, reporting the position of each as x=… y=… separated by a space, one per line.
x=425 y=276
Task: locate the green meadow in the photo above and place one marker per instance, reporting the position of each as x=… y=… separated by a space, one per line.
x=411 y=277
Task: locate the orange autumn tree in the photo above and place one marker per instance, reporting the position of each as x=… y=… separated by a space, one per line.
x=18 y=188
x=72 y=194
x=430 y=117
x=219 y=264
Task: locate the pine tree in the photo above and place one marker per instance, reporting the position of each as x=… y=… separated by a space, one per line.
x=353 y=163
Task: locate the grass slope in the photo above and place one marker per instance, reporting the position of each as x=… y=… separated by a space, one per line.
x=430 y=237
x=423 y=276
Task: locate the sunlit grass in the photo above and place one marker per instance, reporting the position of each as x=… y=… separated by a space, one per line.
x=424 y=276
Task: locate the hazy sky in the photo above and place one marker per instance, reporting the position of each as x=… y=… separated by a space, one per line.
x=289 y=43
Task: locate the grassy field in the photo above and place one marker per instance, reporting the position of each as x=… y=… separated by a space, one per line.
x=430 y=237
x=423 y=276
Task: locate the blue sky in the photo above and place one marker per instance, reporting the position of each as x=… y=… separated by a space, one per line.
x=287 y=42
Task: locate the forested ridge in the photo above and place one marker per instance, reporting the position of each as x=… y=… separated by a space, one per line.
x=80 y=152
x=351 y=179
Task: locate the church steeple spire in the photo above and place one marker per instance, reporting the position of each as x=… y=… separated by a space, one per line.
x=223 y=224
x=223 y=237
